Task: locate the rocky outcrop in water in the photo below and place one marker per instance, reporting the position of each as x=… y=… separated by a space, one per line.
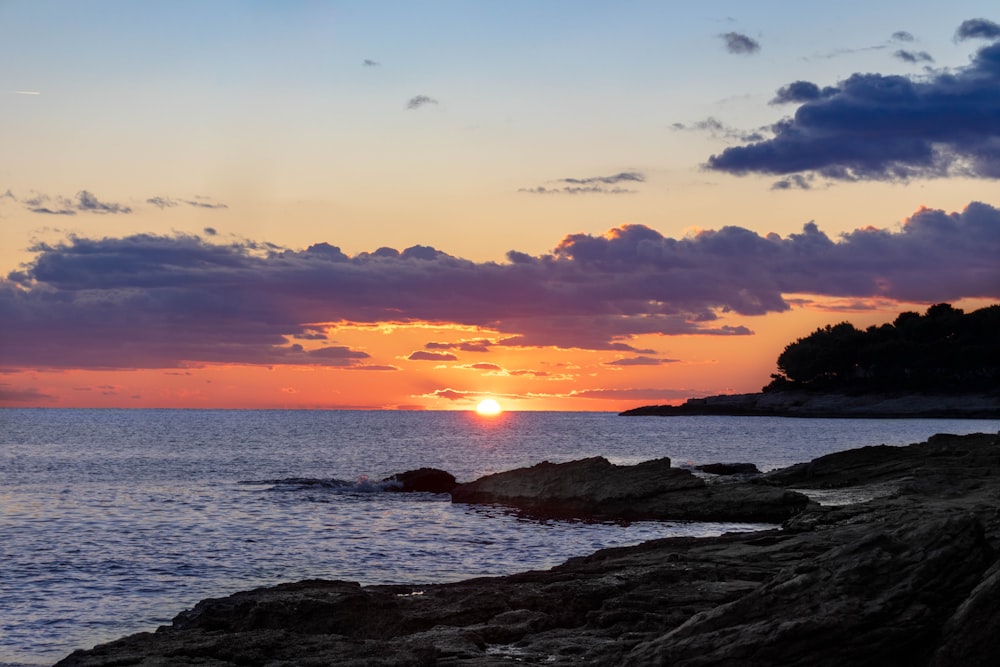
x=422 y=480
x=595 y=489
x=908 y=577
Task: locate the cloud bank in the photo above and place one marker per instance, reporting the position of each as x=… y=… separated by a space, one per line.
x=887 y=127
x=150 y=301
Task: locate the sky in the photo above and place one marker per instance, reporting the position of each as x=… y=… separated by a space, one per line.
x=420 y=205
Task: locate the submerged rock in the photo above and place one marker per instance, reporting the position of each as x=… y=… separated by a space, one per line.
x=909 y=579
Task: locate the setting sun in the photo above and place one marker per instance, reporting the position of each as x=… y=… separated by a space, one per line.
x=488 y=407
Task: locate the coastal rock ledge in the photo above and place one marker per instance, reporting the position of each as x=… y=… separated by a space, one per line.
x=909 y=577
x=812 y=404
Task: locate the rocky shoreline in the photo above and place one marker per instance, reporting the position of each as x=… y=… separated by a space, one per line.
x=908 y=576
x=809 y=404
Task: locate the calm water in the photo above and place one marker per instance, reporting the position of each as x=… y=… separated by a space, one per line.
x=113 y=521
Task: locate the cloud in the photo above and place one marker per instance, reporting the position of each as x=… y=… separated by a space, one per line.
x=421 y=355
x=639 y=361
x=151 y=301
x=739 y=43
x=84 y=201
x=167 y=202
x=977 y=29
x=591 y=185
x=475 y=345
x=419 y=101
x=630 y=176
x=367 y=62
x=638 y=394
x=902 y=36
x=19 y=395
x=914 y=57
x=891 y=128
x=483 y=366
x=801 y=91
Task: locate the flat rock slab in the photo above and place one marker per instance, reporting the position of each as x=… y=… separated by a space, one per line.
x=654 y=490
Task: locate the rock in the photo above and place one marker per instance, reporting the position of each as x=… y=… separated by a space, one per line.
x=729 y=468
x=909 y=579
x=654 y=490
x=427 y=480
x=811 y=404
x=877 y=600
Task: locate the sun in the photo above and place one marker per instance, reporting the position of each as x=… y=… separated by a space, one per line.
x=488 y=407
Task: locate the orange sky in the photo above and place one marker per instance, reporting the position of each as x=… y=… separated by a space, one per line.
x=388 y=207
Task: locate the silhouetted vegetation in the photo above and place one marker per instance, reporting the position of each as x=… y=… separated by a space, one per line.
x=943 y=351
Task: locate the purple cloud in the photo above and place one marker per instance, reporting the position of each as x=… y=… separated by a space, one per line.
x=421 y=355
x=148 y=301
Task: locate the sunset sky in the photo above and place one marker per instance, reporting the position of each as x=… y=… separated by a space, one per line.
x=418 y=205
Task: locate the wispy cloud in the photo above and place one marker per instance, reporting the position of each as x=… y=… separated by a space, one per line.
x=84 y=201
x=885 y=127
x=739 y=43
x=423 y=355
x=368 y=62
x=640 y=361
x=590 y=185
x=420 y=101
x=149 y=301
x=169 y=202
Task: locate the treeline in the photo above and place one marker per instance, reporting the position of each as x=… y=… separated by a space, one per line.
x=943 y=351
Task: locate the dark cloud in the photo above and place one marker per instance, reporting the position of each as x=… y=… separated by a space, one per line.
x=914 y=57
x=902 y=36
x=420 y=100
x=421 y=355
x=367 y=62
x=879 y=127
x=591 y=185
x=977 y=29
x=149 y=301
x=740 y=43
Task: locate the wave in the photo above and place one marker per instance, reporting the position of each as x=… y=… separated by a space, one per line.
x=331 y=485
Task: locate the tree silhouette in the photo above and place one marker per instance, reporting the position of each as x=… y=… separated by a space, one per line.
x=943 y=351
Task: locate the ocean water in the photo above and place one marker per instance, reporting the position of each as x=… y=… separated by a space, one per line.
x=113 y=521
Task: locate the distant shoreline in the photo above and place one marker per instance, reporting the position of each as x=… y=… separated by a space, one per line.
x=832 y=405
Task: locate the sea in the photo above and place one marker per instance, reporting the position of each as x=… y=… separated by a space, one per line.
x=114 y=521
